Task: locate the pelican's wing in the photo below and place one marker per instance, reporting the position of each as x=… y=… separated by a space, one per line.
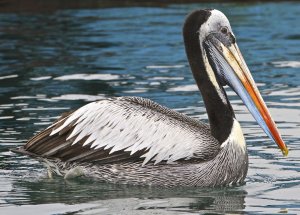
x=125 y=129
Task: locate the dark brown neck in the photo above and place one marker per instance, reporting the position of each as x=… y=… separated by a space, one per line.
x=220 y=112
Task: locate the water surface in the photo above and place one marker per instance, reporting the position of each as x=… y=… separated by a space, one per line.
x=60 y=60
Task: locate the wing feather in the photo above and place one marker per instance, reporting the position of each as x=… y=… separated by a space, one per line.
x=125 y=129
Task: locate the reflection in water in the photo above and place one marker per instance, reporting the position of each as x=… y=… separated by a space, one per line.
x=145 y=198
x=56 y=61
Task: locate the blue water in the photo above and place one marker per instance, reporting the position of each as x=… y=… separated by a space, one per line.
x=60 y=60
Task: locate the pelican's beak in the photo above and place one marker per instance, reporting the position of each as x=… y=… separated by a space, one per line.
x=229 y=64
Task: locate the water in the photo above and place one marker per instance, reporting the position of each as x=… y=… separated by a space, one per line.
x=60 y=60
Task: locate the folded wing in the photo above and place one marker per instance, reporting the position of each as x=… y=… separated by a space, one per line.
x=125 y=129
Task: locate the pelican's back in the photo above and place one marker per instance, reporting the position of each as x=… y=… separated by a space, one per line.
x=124 y=129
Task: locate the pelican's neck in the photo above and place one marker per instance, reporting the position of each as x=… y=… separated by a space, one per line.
x=219 y=110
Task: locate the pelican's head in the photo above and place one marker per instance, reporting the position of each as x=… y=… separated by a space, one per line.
x=225 y=64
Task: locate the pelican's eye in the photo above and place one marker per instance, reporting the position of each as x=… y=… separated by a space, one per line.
x=224 y=30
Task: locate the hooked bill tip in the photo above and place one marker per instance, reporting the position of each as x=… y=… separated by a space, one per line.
x=285 y=152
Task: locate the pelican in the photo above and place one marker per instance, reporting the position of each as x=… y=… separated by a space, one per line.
x=132 y=140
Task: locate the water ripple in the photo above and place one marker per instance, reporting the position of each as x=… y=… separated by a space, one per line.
x=286 y=64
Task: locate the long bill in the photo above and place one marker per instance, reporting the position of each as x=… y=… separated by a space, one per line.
x=238 y=77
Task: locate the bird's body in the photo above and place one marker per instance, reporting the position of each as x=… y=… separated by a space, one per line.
x=131 y=140
x=222 y=170
x=180 y=161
